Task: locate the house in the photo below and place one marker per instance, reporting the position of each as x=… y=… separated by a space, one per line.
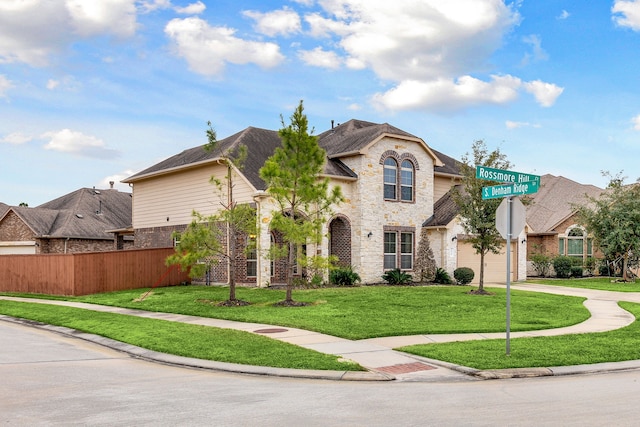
x=552 y=226
x=390 y=180
x=86 y=220
x=452 y=249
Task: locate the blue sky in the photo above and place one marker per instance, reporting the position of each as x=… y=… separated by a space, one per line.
x=96 y=90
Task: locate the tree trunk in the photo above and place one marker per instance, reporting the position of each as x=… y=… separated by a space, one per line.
x=625 y=266
x=290 y=263
x=481 y=281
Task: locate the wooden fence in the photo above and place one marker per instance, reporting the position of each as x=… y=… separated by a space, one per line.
x=88 y=273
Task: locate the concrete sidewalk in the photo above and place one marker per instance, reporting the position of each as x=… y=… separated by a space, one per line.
x=376 y=354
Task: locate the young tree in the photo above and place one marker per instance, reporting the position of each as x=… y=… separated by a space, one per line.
x=200 y=245
x=303 y=199
x=425 y=267
x=478 y=215
x=613 y=220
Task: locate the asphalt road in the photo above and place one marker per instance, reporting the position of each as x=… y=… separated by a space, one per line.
x=48 y=379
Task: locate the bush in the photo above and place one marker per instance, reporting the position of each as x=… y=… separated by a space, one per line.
x=397 y=277
x=463 y=275
x=541 y=263
x=442 y=277
x=590 y=265
x=344 y=276
x=562 y=265
x=576 y=271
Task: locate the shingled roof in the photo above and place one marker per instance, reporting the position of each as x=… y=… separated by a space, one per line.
x=553 y=203
x=445 y=210
x=83 y=214
x=450 y=166
x=346 y=139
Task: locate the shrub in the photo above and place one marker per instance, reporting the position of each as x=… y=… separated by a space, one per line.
x=562 y=265
x=590 y=265
x=576 y=271
x=344 y=276
x=463 y=275
x=397 y=277
x=541 y=263
x=442 y=277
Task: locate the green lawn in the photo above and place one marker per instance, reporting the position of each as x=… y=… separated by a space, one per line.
x=601 y=283
x=565 y=350
x=201 y=342
x=365 y=312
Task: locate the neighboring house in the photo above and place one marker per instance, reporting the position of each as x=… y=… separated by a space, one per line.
x=86 y=220
x=552 y=226
x=390 y=180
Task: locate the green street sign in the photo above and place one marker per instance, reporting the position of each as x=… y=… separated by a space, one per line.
x=501 y=175
x=507 y=190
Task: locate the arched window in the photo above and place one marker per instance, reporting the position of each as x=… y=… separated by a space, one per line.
x=406 y=181
x=390 y=178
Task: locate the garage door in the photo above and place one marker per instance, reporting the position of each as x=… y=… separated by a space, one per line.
x=17 y=249
x=495 y=265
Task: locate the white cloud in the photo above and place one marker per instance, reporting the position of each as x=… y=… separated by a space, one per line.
x=68 y=141
x=563 y=15
x=279 y=22
x=626 y=13
x=207 y=49
x=431 y=51
x=515 y=125
x=5 y=85
x=93 y=17
x=414 y=39
x=636 y=122
x=32 y=30
x=16 y=138
x=320 y=58
x=52 y=84
x=116 y=178
x=449 y=95
x=545 y=93
x=538 y=53
x=147 y=6
x=191 y=9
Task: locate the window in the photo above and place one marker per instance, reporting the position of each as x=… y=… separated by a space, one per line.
x=575 y=243
x=406 y=181
x=561 y=245
x=398 y=246
x=406 y=251
x=390 y=178
x=399 y=178
x=252 y=258
x=390 y=250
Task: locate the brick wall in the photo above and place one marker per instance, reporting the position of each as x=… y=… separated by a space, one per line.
x=13 y=229
x=71 y=246
x=340 y=243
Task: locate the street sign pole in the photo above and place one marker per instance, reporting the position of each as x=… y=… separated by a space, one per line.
x=509 y=220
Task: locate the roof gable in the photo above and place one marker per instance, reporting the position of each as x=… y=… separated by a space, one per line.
x=85 y=213
x=553 y=203
x=356 y=136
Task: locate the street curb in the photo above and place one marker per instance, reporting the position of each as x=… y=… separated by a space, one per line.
x=189 y=362
x=555 y=371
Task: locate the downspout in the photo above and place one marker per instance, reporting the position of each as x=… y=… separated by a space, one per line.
x=65 y=244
